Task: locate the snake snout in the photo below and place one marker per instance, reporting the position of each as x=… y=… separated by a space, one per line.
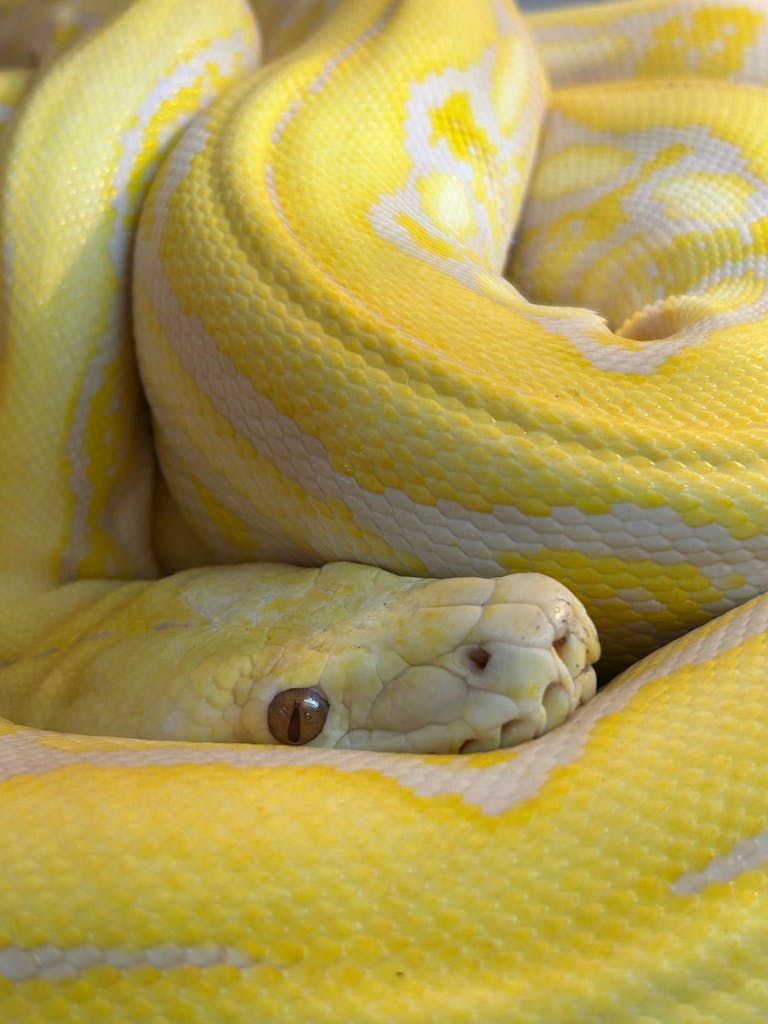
x=536 y=646
x=539 y=686
x=474 y=675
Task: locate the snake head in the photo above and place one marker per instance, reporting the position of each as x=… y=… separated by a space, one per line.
x=344 y=656
x=446 y=666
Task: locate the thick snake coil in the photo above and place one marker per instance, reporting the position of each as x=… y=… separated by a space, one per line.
x=443 y=293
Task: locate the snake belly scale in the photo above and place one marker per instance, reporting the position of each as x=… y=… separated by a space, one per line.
x=403 y=303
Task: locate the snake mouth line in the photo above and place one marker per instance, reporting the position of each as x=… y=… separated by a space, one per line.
x=556 y=706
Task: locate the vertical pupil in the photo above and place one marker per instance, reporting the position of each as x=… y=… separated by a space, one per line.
x=296 y=715
x=294 y=725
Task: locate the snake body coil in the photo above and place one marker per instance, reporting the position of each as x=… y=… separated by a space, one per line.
x=403 y=303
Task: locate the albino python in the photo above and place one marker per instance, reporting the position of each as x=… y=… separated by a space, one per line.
x=414 y=288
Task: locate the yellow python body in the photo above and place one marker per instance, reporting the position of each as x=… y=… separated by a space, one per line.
x=337 y=369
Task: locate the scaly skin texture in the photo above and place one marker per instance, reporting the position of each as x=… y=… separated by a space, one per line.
x=490 y=434
x=336 y=368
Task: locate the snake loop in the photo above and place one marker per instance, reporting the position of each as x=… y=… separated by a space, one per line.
x=337 y=354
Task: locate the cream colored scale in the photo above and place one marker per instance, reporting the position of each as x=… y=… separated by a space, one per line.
x=308 y=267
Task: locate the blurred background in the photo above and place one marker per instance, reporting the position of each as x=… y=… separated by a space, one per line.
x=536 y=5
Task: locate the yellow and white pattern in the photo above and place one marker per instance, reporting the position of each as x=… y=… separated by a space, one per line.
x=440 y=291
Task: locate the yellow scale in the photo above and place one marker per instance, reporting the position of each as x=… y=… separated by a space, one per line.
x=437 y=291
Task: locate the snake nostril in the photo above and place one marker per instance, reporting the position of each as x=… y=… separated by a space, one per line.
x=479 y=658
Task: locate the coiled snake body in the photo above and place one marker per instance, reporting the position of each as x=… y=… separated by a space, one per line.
x=433 y=292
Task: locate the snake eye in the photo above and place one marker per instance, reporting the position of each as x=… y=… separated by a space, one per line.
x=297 y=715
